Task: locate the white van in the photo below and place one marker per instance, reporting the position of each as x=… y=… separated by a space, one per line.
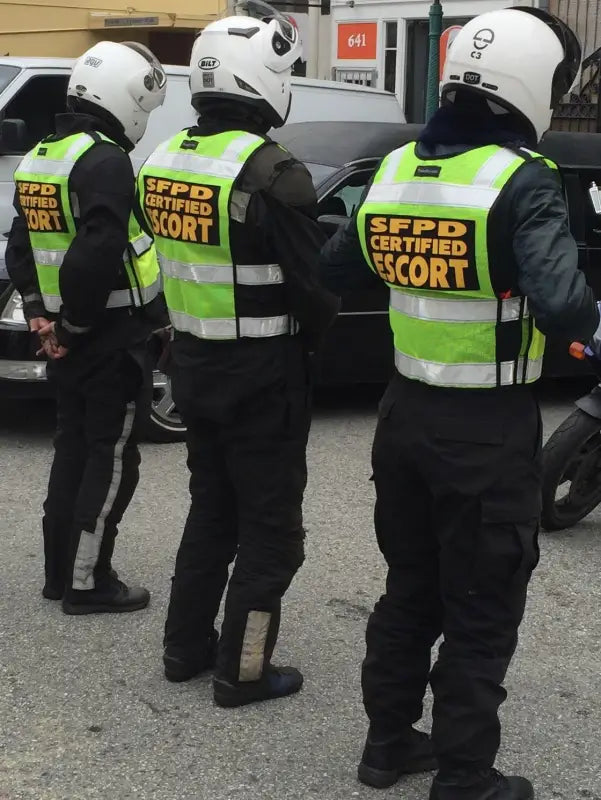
x=34 y=90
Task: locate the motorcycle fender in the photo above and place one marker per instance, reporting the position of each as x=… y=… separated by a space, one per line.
x=591 y=403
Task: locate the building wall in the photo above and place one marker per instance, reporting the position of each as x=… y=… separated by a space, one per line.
x=67 y=27
x=403 y=12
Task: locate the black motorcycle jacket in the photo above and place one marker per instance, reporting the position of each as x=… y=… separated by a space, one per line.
x=530 y=216
x=103 y=181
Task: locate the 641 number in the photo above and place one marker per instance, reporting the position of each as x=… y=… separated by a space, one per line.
x=357 y=40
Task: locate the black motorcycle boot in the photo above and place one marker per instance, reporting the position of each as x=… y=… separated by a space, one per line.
x=488 y=785
x=110 y=596
x=183 y=664
x=275 y=682
x=54 y=589
x=386 y=758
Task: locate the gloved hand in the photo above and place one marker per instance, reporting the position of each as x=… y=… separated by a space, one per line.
x=595 y=343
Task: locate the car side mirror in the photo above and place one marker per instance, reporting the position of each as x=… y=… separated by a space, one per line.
x=13 y=136
x=330 y=223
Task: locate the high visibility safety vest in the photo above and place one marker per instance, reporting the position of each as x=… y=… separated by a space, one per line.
x=187 y=193
x=424 y=230
x=52 y=211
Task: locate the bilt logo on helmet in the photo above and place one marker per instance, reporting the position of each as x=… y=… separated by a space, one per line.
x=209 y=63
x=482 y=40
x=92 y=62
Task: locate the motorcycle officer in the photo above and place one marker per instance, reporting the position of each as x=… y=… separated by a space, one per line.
x=234 y=220
x=88 y=276
x=468 y=227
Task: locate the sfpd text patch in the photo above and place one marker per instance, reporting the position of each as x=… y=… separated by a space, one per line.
x=185 y=212
x=43 y=207
x=423 y=253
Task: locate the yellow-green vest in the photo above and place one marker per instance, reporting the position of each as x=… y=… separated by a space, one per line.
x=424 y=230
x=51 y=210
x=187 y=192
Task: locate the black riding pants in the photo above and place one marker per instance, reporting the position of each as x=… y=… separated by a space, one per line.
x=247 y=461
x=457 y=477
x=102 y=401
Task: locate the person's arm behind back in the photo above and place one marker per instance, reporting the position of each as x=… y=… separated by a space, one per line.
x=285 y=208
x=562 y=303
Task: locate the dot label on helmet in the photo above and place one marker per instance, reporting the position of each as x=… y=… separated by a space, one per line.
x=209 y=63
x=91 y=61
x=472 y=78
x=420 y=252
x=42 y=207
x=182 y=211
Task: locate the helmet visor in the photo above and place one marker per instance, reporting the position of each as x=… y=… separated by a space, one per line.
x=155 y=79
x=258 y=9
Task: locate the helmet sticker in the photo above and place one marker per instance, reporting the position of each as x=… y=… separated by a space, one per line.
x=482 y=39
x=91 y=61
x=209 y=63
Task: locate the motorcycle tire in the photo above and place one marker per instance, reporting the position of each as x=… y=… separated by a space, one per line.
x=572 y=453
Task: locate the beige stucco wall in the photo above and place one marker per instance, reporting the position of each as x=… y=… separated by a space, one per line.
x=66 y=27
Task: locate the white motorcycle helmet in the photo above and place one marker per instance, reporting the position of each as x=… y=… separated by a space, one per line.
x=521 y=59
x=247 y=59
x=124 y=80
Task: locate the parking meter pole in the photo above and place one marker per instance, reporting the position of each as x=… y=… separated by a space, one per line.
x=435 y=31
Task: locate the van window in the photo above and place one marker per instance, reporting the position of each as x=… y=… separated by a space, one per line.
x=345 y=198
x=7 y=75
x=37 y=103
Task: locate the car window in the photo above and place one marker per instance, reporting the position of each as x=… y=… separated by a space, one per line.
x=343 y=200
x=37 y=103
x=319 y=172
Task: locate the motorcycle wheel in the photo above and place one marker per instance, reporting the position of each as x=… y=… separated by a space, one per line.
x=571 y=471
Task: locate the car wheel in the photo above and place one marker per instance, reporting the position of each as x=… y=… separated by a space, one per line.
x=164 y=423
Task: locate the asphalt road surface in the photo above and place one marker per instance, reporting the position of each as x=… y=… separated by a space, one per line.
x=86 y=714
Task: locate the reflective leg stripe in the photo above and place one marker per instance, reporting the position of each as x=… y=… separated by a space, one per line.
x=436 y=194
x=252 y=655
x=89 y=543
x=430 y=308
x=473 y=376
x=247 y=275
x=251 y=327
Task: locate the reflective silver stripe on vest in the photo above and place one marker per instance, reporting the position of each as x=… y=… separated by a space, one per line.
x=121 y=298
x=246 y=274
x=466 y=375
x=433 y=194
x=392 y=165
x=491 y=170
x=227 y=165
x=52 y=303
x=49 y=258
x=442 y=310
x=141 y=244
x=46 y=166
x=252 y=327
